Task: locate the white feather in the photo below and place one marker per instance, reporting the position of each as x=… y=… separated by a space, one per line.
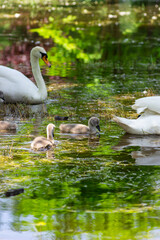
x=151 y=104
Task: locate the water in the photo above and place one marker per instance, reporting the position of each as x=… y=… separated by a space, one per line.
x=103 y=57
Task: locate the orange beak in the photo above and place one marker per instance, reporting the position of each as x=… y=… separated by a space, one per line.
x=44 y=58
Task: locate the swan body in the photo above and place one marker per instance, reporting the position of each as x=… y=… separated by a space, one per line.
x=42 y=143
x=93 y=125
x=7 y=126
x=149 y=120
x=16 y=87
x=143 y=125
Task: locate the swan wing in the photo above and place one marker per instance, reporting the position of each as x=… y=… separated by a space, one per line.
x=150 y=105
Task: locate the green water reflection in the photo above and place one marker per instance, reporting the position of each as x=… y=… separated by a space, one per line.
x=103 y=57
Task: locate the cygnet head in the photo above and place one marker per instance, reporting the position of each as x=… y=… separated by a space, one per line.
x=50 y=131
x=93 y=122
x=40 y=52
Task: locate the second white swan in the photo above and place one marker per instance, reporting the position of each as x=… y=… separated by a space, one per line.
x=149 y=120
x=16 y=87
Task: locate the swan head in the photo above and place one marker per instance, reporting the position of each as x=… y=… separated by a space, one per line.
x=40 y=52
x=94 y=122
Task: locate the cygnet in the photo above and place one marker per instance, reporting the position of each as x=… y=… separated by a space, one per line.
x=93 y=125
x=42 y=143
x=7 y=126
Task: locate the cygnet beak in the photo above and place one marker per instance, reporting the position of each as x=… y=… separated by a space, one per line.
x=98 y=127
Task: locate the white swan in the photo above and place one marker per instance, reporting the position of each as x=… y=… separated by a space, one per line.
x=42 y=143
x=16 y=87
x=76 y=128
x=148 y=122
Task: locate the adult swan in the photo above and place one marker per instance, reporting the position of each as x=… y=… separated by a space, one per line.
x=149 y=120
x=16 y=87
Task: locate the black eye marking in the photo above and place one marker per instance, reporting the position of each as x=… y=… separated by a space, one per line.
x=44 y=54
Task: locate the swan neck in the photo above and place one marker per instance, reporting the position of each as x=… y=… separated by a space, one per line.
x=38 y=76
x=49 y=134
x=92 y=128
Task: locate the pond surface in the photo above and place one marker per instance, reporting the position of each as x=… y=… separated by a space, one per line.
x=103 y=57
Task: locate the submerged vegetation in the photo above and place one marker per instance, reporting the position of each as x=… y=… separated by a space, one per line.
x=104 y=56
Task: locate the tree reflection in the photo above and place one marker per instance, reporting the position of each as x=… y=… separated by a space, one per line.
x=84 y=188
